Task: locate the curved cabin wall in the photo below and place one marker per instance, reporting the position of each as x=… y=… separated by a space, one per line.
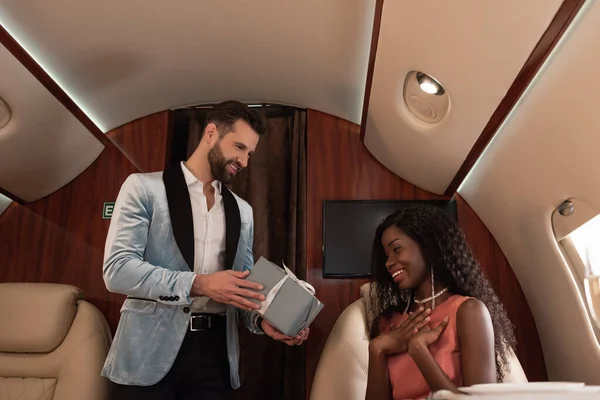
x=60 y=238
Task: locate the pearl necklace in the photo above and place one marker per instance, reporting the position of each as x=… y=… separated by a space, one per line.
x=435 y=296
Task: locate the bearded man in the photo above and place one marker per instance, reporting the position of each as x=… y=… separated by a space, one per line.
x=180 y=247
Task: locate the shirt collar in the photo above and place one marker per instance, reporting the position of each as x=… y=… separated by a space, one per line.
x=190 y=179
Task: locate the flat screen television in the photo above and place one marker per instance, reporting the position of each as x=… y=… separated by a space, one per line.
x=349 y=229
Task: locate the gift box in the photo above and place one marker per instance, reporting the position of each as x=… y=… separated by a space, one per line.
x=290 y=304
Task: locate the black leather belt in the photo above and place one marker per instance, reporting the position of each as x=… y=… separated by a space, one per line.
x=207 y=322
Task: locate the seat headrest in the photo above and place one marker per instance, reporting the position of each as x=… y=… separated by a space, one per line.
x=35 y=317
x=364 y=290
x=365 y=293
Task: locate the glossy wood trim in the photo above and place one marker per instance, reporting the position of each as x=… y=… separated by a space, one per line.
x=8 y=210
x=561 y=21
x=170 y=136
x=145 y=141
x=12 y=196
x=371 y=67
x=38 y=72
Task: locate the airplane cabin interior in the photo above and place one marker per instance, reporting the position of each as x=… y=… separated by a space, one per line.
x=485 y=113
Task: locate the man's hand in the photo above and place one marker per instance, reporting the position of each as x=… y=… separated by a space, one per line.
x=271 y=331
x=228 y=287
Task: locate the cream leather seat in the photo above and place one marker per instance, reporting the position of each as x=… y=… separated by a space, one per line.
x=52 y=344
x=343 y=366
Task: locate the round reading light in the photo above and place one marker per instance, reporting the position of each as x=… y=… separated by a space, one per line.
x=425 y=97
x=429 y=84
x=5 y=113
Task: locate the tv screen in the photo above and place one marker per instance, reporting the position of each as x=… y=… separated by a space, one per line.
x=349 y=229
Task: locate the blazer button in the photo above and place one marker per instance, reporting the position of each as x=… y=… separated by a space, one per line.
x=186 y=310
x=161 y=298
x=176 y=298
x=171 y=298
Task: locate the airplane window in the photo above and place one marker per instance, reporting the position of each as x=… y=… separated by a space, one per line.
x=586 y=243
x=576 y=227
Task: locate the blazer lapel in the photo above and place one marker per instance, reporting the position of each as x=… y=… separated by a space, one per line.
x=180 y=210
x=233 y=225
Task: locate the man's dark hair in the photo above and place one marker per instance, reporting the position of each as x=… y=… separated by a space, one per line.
x=224 y=115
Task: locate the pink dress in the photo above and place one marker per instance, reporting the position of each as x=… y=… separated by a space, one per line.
x=405 y=377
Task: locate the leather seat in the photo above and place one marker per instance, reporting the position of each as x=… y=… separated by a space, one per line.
x=343 y=366
x=52 y=344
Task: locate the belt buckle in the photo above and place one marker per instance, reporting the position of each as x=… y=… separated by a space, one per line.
x=200 y=317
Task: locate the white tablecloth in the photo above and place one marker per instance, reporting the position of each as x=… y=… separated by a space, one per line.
x=584 y=394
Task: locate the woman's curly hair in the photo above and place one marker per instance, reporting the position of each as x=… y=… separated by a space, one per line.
x=445 y=249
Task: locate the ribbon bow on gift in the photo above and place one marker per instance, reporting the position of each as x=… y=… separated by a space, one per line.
x=273 y=292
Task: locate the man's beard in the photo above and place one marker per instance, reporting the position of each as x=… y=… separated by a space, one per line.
x=218 y=165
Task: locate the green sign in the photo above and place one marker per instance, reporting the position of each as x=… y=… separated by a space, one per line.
x=107 y=210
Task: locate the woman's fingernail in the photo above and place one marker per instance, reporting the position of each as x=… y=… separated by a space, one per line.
x=420 y=308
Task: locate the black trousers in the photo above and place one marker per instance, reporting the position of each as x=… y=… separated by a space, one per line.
x=200 y=371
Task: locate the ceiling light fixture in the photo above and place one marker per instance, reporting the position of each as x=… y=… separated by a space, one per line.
x=425 y=97
x=5 y=113
x=429 y=84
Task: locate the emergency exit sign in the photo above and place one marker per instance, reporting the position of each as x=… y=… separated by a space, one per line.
x=107 y=210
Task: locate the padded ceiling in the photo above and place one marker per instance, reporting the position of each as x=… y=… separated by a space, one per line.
x=44 y=146
x=475 y=49
x=137 y=57
x=545 y=153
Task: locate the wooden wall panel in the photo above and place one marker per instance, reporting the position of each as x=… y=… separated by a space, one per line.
x=11 y=196
x=145 y=141
x=341 y=168
x=506 y=285
x=371 y=66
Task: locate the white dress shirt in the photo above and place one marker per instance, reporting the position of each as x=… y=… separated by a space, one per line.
x=209 y=236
